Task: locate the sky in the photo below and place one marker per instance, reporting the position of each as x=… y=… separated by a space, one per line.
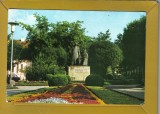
x=94 y=21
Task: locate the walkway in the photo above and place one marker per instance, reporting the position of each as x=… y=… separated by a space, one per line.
x=131 y=90
x=23 y=89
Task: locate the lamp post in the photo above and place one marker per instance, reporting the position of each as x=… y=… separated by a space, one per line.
x=13 y=24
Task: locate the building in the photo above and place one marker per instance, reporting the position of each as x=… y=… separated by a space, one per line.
x=19 y=68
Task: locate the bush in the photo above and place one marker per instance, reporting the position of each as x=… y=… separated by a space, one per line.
x=109 y=77
x=37 y=72
x=43 y=65
x=57 y=80
x=122 y=82
x=32 y=83
x=94 y=80
x=69 y=79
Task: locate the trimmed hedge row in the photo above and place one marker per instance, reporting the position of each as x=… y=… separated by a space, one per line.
x=94 y=80
x=58 y=79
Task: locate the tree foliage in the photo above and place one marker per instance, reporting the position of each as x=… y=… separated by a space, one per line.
x=132 y=42
x=103 y=54
x=47 y=36
x=103 y=36
x=17 y=52
x=51 y=44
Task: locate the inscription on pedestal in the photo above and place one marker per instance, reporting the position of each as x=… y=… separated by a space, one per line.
x=78 y=73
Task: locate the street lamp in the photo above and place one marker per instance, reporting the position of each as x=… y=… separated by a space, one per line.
x=13 y=24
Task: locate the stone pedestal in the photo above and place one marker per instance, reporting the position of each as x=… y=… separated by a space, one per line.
x=78 y=73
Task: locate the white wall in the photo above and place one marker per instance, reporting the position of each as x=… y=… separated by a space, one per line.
x=19 y=69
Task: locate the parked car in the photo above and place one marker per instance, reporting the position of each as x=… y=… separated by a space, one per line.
x=14 y=77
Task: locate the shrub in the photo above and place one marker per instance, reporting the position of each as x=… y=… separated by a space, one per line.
x=32 y=83
x=57 y=80
x=69 y=78
x=109 y=77
x=94 y=80
x=37 y=72
x=123 y=82
x=43 y=65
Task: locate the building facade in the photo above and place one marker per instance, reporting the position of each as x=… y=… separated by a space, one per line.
x=19 y=68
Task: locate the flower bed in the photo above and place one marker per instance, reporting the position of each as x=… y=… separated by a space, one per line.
x=70 y=94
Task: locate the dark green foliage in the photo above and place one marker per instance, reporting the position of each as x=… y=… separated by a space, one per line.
x=122 y=82
x=46 y=63
x=32 y=83
x=69 y=79
x=45 y=36
x=94 y=80
x=109 y=77
x=104 y=36
x=17 y=50
x=38 y=72
x=57 y=80
x=132 y=43
x=41 y=66
x=103 y=54
x=61 y=56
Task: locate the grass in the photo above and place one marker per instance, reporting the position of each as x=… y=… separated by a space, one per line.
x=14 y=87
x=106 y=95
x=107 y=83
x=111 y=97
x=32 y=83
x=28 y=93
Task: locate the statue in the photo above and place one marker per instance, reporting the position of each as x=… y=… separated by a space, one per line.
x=85 y=58
x=76 y=58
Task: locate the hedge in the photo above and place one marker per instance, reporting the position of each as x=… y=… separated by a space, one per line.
x=57 y=80
x=94 y=80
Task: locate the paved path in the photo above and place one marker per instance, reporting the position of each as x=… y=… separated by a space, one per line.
x=23 y=89
x=135 y=92
x=131 y=90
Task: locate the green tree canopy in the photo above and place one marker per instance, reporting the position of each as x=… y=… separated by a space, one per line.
x=46 y=36
x=133 y=43
x=17 y=52
x=103 y=36
x=103 y=54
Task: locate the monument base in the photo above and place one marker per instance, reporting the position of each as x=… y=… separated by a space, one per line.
x=78 y=73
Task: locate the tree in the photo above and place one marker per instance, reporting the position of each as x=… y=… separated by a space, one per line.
x=38 y=36
x=118 y=41
x=133 y=46
x=67 y=35
x=17 y=52
x=49 y=63
x=44 y=35
x=104 y=36
x=103 y=54
x=50 y=46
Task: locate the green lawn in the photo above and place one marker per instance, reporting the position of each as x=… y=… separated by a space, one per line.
x=14 y=87
x=32 y=83
x=108 y=96
x=28 y=93
x=111 y=97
